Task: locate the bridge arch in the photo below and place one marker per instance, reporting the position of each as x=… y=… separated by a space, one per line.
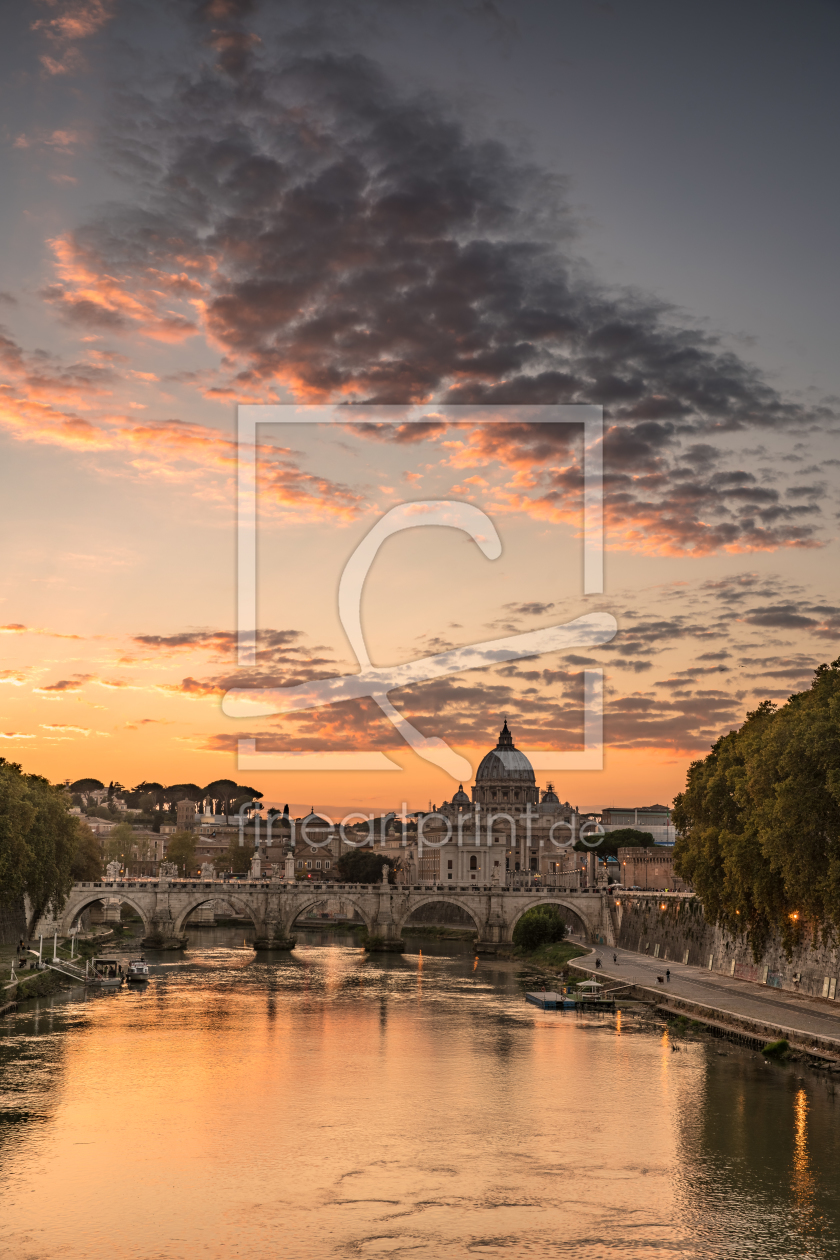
x=445 y=899
x=580 y=922
x=75 y=908
x=308 y=902
x=238 y=903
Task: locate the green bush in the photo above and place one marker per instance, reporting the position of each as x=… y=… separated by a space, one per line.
x=541 y=926
x=776 y=1049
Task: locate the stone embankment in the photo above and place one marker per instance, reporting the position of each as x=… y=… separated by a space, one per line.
x=672 y=928
x=743 y=1010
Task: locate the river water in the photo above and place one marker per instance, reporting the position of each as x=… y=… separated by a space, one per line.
x=335 y=1104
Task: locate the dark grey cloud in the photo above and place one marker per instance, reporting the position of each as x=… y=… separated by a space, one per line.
x=350 y=240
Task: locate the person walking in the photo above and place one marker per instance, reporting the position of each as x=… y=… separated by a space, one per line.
x=668 y=973
x=615 y=959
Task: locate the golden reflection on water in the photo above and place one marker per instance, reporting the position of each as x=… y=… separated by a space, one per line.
x=802 y=1180
x=309 y=1106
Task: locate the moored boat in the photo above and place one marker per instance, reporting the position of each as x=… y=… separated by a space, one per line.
x=138 y=971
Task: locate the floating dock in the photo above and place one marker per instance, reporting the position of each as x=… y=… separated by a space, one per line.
x=551 y=1001
x=560 y=1002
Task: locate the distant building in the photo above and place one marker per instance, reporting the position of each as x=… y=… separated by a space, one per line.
x=185 y=815
x=507 y=826
x=650 y=870
x=653 y=818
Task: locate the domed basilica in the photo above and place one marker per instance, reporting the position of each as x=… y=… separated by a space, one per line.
x=508 y=826
x=505 y=777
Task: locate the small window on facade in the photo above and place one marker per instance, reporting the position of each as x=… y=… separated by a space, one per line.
x=326 y=866
x=473 y=863
x=449 y=865
x=300 y=864
x=317 y=866
x=309 y=866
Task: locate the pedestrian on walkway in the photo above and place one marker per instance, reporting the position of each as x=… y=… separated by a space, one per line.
x=615 y=959
x=667 y=973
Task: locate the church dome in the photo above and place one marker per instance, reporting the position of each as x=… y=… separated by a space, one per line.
x=550 y=796
x=505 y=763
x=460 y=797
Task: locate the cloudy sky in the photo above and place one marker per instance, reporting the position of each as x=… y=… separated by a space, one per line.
x=413 y=204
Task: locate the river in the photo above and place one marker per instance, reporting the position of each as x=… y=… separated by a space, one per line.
x=334 y=1104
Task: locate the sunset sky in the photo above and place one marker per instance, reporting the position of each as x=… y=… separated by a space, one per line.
x=223 y=202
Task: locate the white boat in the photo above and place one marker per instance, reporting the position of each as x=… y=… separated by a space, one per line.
x=138 y=971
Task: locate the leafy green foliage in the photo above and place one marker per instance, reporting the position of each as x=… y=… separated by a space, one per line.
x=364 y=866
x=86 y=862
x=760 y=817
x=119 y=843
x=541 y=926
x=612 y=841
x=38 y=839
x=777 y=1049
x=181 y=850
x=83 y=786
x=235 y=858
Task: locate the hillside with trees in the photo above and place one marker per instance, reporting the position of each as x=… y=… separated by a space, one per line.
x=760 y=819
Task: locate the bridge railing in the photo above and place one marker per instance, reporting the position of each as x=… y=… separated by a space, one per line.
x=547 y=885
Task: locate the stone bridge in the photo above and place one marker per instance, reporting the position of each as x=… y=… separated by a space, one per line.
x=273 y=907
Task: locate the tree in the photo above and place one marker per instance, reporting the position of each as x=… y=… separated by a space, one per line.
x=622 y=838
x=84 y=787
x=541 y=926
x=154 y=790
x=119 y=843
x=181 y=850
x=37 y=841
x=16 y=817
x=364 y=866
x=760 y=818
x=86 y=862
x=235 y=858
x=222 y=791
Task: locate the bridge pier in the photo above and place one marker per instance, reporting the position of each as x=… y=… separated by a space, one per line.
x=276 y=936
x=503 y=949
x=495 y=936
x=161 y=935
x=384 y=935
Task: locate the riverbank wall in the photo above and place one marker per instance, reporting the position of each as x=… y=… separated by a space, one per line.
x=675 y=929
x=12 y=921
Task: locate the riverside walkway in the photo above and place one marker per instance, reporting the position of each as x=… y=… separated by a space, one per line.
x=794 y=1015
